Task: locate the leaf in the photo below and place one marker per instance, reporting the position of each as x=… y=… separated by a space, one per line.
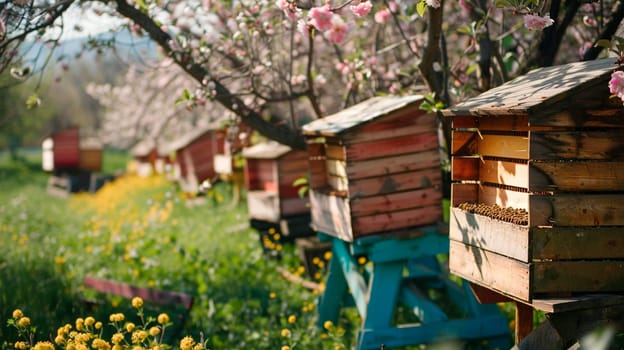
x=300 y=181
x=303 y=191
x=604 y=43
x=421 y=8
x=33 y=101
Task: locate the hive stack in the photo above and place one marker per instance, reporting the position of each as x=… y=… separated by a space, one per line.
x=538 y=191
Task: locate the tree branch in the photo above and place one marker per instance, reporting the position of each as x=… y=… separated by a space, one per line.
x=608 y=32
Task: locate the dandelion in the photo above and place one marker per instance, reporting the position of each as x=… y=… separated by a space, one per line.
x=117 y=338
x=187 y=343
x=137 y=302
x=292 y=319
x=154 y=331
x=163 y=318
x=272 y=295
x=17 y=314
x=328 y=325
x=89 y=321
x=44 y=345
x=23 y=322
x=327 y=255
x=285 y=347
x=285 y=333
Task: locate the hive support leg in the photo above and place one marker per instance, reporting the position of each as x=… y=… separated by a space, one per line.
x=524 y=321
x=330 y=301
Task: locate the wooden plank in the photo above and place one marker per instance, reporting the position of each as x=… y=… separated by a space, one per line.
x=263 y=205
x=293 y=164
x=317 y=173
x=395 y=201
x=464 y=122
x=604 y=144
x=581 y=118
x=465 y=168
x=504 y=173
x=487 y=296
x=393 y=164
x=577 y=210
x=335 y=152
x=387 y=129
x=578 y=276
x=394 y=146
x=336 y=167
x=129 y=291
x=575 y=303
x=505 y=198
x=464 y=143
x=338 y=183
x=577 y=243
x=490 y=234
x=504 y=146
x=395 y=183
x=491 y=270
x=577 y=176
x=294 y=206
x=384 y=223
x=464 y=193
x=331 y=215
x=507 y=123
x=524 y=321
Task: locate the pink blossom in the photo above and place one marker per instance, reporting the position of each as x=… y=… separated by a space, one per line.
x=361 y=8
x=534 y=22
x=588 y=21
x=343 y=68
x=616 y=84
x=433 y=3
x=302 y=27
x=465 y=6
x=321 y=17
x=2 y=28
x=393 y=6
x=289 y=8
x=297 y=79
x=338 y=30
x=383 y=16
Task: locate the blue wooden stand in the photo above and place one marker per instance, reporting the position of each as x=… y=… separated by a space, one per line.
x=405 y=270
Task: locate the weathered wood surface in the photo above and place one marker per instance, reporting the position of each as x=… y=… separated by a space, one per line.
x=397 y=220
x=394 y=146
x=396 y=201
x=407 y=122
x=293 y=206
x=393 y=164
x=578 y=276
x=360 y=114
x=490 y=234
x=129 y=291
x=263 y=205
x=261 y=174
x=491 y=270
x=540 y=88
x=395 y=183
x=578 y=243
x=331 y=215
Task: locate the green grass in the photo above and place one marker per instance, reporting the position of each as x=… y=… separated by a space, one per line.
x=140 y=231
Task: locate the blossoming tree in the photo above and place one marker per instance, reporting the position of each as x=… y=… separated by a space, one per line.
x=277 y=64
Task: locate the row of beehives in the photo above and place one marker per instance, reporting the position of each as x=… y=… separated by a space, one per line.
x=537 y=196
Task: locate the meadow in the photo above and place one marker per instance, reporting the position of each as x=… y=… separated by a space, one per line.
x=141 y=231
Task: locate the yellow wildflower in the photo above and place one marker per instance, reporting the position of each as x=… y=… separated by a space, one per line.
x=198 y=346
x=327 y=255
x=272 y=295
x=292 y=319
x=139 y=336
x=285 y=333
x=79 y=324
x=362 y=260
x=100 y=344
x=163 y=318
x=328 y=325
x=137 y=302
x=323 y=336
x=187 y=343
x=59 y=339
x=129 y=327
x=98 y=325
x=43 y=345
x=117 y=317
x=271 y=230
x=17 y=314
x=285 y=347
x=23 y=322
x=276 y=236
x=154 y=331
x=116 y=347
x=89 y=321
x=117 y=338
x=21 y=345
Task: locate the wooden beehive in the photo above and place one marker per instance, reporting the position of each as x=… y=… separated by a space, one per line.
x=61 y=150
x=194 y=154
x=145 y=155
x=90 y=155
x=270 y=170
x=538 y=191
x=375 y=168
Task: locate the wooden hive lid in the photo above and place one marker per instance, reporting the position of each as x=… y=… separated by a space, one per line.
x=266 y=150
x=188 y=138
x=537 y=89
x=358 y=115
